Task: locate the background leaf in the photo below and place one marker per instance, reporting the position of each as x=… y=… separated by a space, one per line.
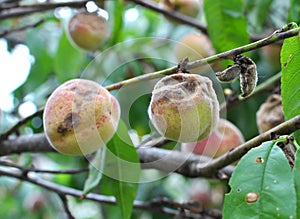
x=294 y=13
x=123 y=169
x=68 y=60
x=43 y=62
x=290 y=89
x=95 y=171
x=265 y=171
x=116 y=20
x=226 y=23
x=257 y=12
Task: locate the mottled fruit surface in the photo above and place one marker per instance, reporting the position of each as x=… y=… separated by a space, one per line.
x=224 y=138
x=88 y=30
x=80 y=116
x=184 y=107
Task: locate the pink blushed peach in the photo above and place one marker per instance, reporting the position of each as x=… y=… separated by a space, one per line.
x=225 y=137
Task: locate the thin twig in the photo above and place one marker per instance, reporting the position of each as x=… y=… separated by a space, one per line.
x=33 y=25
x=154 y=158
x=63 y=191
x=172 y=14
x=189 y=165
x=65 y=204
x=19 y=124
x=22 y=10
x=276 y=36
x=192 y=22
x=32 y=169
x=284 y=128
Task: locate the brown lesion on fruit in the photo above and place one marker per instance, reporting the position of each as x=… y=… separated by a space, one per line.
x=70 y=122
x=179 y=86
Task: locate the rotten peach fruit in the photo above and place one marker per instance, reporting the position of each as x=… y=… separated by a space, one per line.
x=184 y=107
x=80 y=116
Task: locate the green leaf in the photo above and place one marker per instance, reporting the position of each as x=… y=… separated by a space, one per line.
x=226 y=24
x=43 y=62
x=263 y=171
x=117 y=7
x=95 y=171
x=123 y=168
x=290 y=89
x=294 y=15
x=257 y=11
x=68 y=60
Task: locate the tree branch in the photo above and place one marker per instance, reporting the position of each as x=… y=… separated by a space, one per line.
x=152 y=205
x=172 y=14
x=151 y=158
x=33 y=169
x=22 y=10
x=189 y=165
x=66 y=207
x=33 y=25
x=276 y=36
x=180 y=17
x=15 y=128
x=285 y=128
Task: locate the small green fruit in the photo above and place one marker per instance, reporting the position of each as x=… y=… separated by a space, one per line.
x=88 y=30
x=184 y=107
x=80 y=116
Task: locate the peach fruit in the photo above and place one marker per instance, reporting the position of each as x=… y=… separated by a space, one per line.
x=194 y=46
x=88 y=31
x=270 y=113
x=80 y=116
x=225 y=137
x=189 y=8
x=184 y=107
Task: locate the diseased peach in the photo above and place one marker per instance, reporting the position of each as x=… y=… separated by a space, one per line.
x=184 y=107
x=80 y=116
